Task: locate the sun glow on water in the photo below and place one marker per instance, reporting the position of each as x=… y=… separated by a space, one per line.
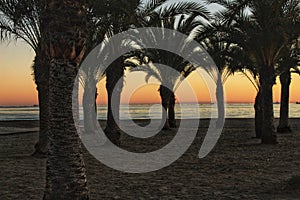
x=141 y=111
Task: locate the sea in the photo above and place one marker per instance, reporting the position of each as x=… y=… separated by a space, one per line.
x=153 y=111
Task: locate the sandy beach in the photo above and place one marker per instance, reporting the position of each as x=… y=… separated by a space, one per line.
x=239 y=167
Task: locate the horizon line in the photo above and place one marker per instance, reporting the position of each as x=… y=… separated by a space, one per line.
x=139 y=103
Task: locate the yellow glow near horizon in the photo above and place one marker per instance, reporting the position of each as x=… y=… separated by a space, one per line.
x=18 y=88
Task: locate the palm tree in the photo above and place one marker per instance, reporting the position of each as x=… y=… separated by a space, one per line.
x=252 y=75
x=169 y=79
x=231 y=58
x=290 y=60
x=88 y=79
x=193 y=16
x=112 y=18
x=119 y=19
x=125 y=16
x=263 y=33
x=215 y=40
x=20 y=19
x=89 y=76
x=64 y=26
x=109 y=18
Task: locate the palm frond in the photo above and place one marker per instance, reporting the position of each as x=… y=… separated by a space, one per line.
x=151 y=5
x=150 y=70
x=184 y=8
x=6 y=29
x=253 y=79
x=19 y=19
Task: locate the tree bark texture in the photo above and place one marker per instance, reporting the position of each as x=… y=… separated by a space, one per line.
x=65 y=25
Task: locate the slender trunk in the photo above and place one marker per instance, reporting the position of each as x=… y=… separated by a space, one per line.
x=89 y=110
x=42 y=146
x=41 y=75
x=267 y=78
x=114 y=86
x=258 y=108
x=96 y=109
x=220 y=102
x=171 y=111
x=64 y=23
x=285 y=80
x=165 y=94
x=75 y=105
x=96 y=95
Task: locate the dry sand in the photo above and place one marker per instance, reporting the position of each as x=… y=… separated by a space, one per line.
x=239 y=167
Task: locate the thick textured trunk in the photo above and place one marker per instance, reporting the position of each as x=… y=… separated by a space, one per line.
x=220 y=102
x=285 y=80
x=171 y=111
x=114 y=86
x=258 y=108
x=165 y=94
x=64 y=23
x=65 y=178
x=267 y=78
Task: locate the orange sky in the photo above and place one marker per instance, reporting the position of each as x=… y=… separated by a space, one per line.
x=17 y=86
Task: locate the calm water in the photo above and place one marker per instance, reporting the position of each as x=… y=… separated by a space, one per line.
x=146 y=111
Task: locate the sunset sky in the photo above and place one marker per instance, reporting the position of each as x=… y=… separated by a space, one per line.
x=18 y=88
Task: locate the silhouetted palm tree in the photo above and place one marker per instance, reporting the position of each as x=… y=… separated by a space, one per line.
x=170 y=80
x=121 y=16
x=231 y=58
x=89 y=77
x=215 y=39
x=263 y=31
x=125 y=16
x=64 y=25
x=290 y=60
x=252 y=75
x=20 y=19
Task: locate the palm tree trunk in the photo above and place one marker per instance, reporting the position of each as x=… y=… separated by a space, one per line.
x=171 y=111
x=165 y=94
x=258 y=108
x=96 y=109
x=267 y=78
x=42 y=146
x=64 y=23
x=65 y=178
x=220 y=102
x=41 y=75
x=89 y=112
x=76 y=114
x=114 y=86
x=285 y=80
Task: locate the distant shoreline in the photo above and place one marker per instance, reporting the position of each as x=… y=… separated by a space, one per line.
x=153 y=111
